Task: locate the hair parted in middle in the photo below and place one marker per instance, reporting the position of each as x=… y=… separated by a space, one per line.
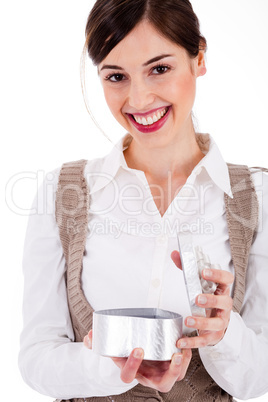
x=111 y=20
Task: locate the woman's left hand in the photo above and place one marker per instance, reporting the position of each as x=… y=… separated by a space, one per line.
x=219 y=306
x=160 y=375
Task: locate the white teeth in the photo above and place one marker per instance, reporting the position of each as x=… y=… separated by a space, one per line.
x=150 y=119
x=144 y=121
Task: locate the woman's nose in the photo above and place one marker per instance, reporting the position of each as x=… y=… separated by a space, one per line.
x=140 y=95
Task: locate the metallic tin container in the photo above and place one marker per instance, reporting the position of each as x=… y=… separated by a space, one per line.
x=191 y=276
x=193 y=262
x=117 y=332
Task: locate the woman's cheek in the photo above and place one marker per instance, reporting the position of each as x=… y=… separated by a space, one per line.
x=109 y=98
x=115 y=103
x=112 y=100
x=184 y=91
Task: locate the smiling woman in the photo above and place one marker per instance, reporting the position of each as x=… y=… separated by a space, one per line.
x=160 y=178
x=147 y=97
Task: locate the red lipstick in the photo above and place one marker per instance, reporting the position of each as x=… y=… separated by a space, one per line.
x=152 y=127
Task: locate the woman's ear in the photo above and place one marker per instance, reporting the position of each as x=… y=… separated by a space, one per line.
x=201 y=64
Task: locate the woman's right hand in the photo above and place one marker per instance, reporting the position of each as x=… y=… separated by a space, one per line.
x=154 y=374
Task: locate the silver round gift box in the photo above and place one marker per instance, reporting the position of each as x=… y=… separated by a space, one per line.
x=117 y=332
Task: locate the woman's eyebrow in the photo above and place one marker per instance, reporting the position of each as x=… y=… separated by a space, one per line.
x=111 y=67
x=153 y=60
x=157 y=58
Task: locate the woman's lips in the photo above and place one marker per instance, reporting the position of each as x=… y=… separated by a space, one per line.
x=152 y=122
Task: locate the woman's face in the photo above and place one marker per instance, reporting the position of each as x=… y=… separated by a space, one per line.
x=149 y=84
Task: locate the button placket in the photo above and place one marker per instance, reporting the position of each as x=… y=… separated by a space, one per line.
x=154 y=293
x=161 y=240
x=156 y=282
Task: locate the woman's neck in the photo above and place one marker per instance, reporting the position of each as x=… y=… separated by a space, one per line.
x=177 y=159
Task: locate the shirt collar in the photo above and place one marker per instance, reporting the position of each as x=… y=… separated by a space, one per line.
x=111 y=164
x=212 y=162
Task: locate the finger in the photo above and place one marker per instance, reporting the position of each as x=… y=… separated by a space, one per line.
x=223 y=290
x=187 y=355
x=207 y=338
x=167 y=381
x=129 y=370
x=218 y=276
x=215 y=301
x=206 y=324
x=177 y=370
x=176 y=258
x=88 y=340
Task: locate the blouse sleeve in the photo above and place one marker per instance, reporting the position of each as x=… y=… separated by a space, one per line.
x=50 y=361
x=239 y=363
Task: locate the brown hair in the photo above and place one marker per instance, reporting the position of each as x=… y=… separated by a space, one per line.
x=111 y=20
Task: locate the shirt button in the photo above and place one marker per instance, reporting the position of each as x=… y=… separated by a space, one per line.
x=161 y=240
x=156 y=283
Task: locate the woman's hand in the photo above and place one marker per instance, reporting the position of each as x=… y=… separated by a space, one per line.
x=155 y=374
x=213 y=327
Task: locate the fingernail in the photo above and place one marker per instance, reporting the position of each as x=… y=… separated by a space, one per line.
x=182 y=344
x=88 y=342
x=190 y=321
x=202 y=299
x=207 y=273
x=137 y=353
x=177 y=360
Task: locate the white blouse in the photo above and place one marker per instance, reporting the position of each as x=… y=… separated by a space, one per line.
x=127 y=264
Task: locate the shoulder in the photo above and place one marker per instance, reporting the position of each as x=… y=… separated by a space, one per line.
x=259 y=175
x=89 y=167
x=260 y=179
x=49 y=183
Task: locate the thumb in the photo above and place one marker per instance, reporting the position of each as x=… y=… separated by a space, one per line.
x=88 y=340
x=176 y=258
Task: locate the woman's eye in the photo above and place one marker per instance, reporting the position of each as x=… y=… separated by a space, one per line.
x=160 y=69
x=115 y=77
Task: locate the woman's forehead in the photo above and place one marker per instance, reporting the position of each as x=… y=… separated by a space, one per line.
x=142 y=44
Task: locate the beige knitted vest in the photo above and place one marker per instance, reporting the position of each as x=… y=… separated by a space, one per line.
x=72 y=214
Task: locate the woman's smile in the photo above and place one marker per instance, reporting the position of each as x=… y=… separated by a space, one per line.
x=151 y=121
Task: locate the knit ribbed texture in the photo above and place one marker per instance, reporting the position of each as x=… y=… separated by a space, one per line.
x=72 y=211
x=242 y=219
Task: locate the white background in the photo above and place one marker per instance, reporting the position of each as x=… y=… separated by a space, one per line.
x=44 y=122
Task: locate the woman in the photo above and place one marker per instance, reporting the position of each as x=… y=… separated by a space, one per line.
x=162 y=175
